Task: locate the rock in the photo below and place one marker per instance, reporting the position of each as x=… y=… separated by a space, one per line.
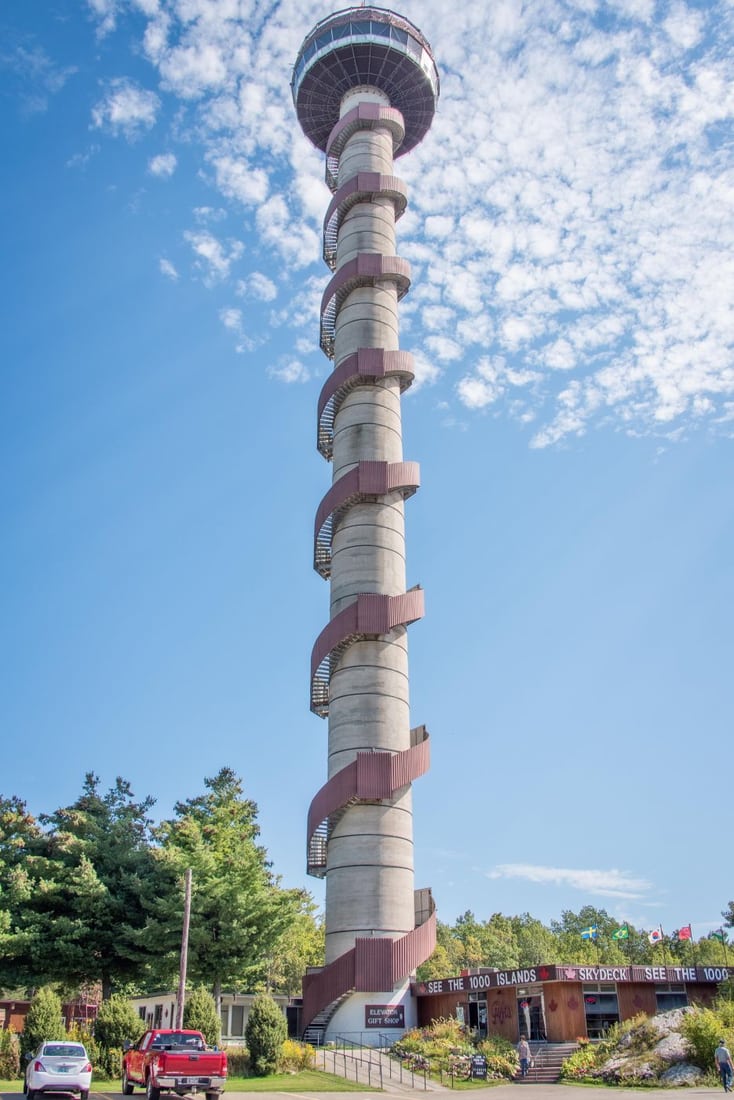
x=681 y=1074
x=665 y=1022
x=672 y=1048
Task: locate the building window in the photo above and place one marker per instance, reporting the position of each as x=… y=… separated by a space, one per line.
x=141 y=1012
x=157 y=1015
x=224 y=1016
x=601 y=1008
x=238 y=1020
x=669 y=995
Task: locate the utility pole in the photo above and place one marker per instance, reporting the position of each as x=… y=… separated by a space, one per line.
x=184 y=952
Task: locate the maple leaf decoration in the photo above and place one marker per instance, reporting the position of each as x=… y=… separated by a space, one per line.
x=543 y=973
x=553 y=1006
x=572 y=1003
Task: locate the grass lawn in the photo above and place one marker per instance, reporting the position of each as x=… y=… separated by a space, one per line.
x=308 y=1080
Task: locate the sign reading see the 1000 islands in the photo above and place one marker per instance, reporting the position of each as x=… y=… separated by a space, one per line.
x=499 y=978
x=384 y=1015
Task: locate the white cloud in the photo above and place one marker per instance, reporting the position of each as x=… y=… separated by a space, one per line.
x=166 y=268
x=258 y=286
x=126 y=108
x=289 y=371
x=610 y=883
x=163 y=165
x=572 y=218
x=214 y=257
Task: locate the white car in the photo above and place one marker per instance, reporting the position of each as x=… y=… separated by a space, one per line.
x=58 y=1067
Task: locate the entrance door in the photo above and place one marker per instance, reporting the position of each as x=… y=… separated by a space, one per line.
x=531 y=1014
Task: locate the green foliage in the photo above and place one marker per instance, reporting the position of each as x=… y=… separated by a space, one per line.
x=581 y=1063
x=117 y=1021
x=200 y=1014
x=501 y=1055
x=447 y=1047
x=702 y=1029
x=9 y=1055
x=79 y=891
x=295 y=1057
x=265 y=1033
x=44 y=1020
x=239 y=913
x=238 y=1062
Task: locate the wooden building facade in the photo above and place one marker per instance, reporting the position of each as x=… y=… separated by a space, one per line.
x=562 y=1003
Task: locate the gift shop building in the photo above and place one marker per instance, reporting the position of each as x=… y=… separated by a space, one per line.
x=562 y=1003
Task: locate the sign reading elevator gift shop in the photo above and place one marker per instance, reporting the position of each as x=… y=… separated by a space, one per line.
x=384 y=1015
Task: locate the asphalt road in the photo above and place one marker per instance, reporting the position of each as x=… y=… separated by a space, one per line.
x=499 y=1092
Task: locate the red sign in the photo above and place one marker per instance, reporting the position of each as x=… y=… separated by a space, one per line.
x=384 y=1016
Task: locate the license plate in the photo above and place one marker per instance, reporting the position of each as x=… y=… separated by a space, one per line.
x=65 y=1069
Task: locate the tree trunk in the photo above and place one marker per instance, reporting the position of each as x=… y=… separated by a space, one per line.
x=217 y=995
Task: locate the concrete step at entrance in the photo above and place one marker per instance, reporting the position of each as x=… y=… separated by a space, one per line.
x=547 y=1059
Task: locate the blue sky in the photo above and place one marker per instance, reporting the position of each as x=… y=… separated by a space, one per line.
x=571 y=233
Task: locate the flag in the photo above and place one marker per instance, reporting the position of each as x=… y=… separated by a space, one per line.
x=683 y=933
x=589 y=933
x=622 y=933
x=719 y=934
x=655 y=935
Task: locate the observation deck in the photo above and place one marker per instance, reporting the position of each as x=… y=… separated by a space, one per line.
x=371 y=47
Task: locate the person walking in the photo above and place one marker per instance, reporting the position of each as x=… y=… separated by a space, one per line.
x=523 y=1053
x=722 y=1057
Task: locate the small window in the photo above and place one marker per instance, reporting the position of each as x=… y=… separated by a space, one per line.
x=238 y=1020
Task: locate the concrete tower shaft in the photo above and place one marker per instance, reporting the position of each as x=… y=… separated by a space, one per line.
x=365 y=87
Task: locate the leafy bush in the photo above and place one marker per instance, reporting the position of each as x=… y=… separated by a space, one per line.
x=106 y=1061
x=265 y=1034
x=702 y=1030
x=580 y=1064
x=44 y=1020
x=447 y=1046
x=117 y=1022
x=200 y=1014
x=501 y=1055
x=9 y=1055
x=295 y=1057
x=238 y=1062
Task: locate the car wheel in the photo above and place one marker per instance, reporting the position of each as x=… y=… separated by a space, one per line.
x=84 y=1094
x=30 y=1093
x=212 y=1095
x=151 y=1092
x=127 y=1088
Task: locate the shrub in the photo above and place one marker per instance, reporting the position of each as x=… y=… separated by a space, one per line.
x=200 y=1014
x=702 y=1030
x=238 y=1062
x=295 y=1056
x=265 y=1034
x=44 y=1020
x=117 y=1022
x=9 y=1055
x=501 y=1055
x=106 y=1061
x=580 y=1064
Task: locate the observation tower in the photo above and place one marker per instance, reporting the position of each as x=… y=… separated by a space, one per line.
x=365 y=87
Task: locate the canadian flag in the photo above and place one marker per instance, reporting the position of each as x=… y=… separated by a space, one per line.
x=656 y=935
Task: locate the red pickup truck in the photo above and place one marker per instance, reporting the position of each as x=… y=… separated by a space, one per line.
x=174 y=1061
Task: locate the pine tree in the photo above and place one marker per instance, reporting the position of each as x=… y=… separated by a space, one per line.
x=265 y=1033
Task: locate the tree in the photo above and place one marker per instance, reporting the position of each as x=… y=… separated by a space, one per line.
x=265 y=1033
x=239 y=912
x=82 y=889
x=200 y=1014
x=19 y=834
x=117 y=1022
x=43 y=1021
x=301 y=945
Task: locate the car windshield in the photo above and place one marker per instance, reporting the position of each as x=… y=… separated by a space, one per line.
x=64 y=1050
